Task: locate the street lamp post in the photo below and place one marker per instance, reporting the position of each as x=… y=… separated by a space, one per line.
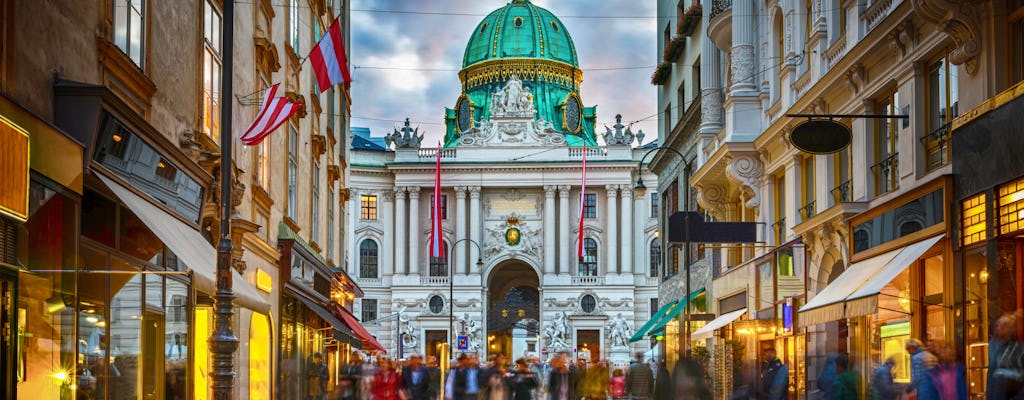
x=640 y=189
x=451 y=291
x=223 y=343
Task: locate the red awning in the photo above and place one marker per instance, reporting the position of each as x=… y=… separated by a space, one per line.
x=368 y=340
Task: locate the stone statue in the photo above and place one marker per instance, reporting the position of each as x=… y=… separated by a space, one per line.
x=619 y=331
x=408 y=138
x=555 y=335
x=469 y=328
x=513 y=99
x=410 y=338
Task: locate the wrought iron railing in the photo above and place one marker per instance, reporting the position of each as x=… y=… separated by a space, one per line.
x=718 y=7
x=843 y=192
x=936 y=145
x=887 y=174
x=807 y=211
x=779 y=228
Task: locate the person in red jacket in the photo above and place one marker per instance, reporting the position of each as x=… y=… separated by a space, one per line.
x=387 y=384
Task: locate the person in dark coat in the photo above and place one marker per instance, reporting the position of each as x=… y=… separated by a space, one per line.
x=882 y=385
x=560 y=382
x=688 y=381
x=416 y=379
x=847 y=385
x=639 y=379
x=433 y=377
x=522 y=381
x=774 y=378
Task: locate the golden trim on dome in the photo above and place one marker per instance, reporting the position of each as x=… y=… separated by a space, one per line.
x=579 y=103
x=532 y=69
x=463 y=97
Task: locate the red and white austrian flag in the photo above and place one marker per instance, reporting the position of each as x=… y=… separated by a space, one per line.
x=274 y=112
x=330 y=64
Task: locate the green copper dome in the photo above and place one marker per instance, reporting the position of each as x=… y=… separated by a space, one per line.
x=520 y=30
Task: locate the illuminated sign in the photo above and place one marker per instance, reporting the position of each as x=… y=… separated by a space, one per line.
x=264 y=281
x=14 y=145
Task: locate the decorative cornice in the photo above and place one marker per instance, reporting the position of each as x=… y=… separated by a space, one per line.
x=529 y=69
x=711 y=197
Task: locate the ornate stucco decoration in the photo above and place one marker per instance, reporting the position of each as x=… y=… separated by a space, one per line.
x=711 y=197
x=856 y=77
x=556 y=333
x=902 y=38
x=958 y=19
x=410 y=335
x=567 y=303
x=745 y=171
x=409 y=138
x=513 y=121
x=620 y=137
x=528 y=245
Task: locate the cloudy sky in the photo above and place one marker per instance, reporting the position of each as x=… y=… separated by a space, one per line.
x=423 y=53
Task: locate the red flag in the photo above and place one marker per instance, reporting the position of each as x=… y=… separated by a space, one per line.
x=330 y=64
x=583 y=198
x=436 y=246
x=274 y=112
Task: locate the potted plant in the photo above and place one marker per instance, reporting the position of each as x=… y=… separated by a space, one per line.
x=661 y=73
x=689 y=20
x=674 y=48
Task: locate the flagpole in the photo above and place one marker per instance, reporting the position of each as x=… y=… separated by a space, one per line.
x=223 y=343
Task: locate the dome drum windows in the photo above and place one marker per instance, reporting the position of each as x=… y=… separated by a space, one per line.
x=518 y=22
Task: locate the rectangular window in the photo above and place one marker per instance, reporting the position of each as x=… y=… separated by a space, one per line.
x=293 y=25
x=943 y=99
x=886 y=168
x=1011 y=207
x=315 y=217
x=263 y=164
x=588 y=265
x=165 y=170
x=444 y=206
x=973 y=217
x=130 y=29
x=654 y=306
x=1016 y=31
x=368 y=208
x=807 y=189
x=590 y=205
x=211 y=70
x=369 y=310
x=331 y=117
x=655 y=258
x=779 y=227
x=842 y=191
x=654 y=205
x=893 y=224
x=293 y=171
x=668 y=120
x=330 y=224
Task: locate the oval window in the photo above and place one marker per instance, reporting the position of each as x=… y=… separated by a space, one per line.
x=554 y=25
x=482 y=27
x=436 y=304
x=588 y=303
x=518 y=21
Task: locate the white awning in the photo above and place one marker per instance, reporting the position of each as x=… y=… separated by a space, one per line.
x=864 y=301
x=709 y=330
x=190 y=247
x=833 y=302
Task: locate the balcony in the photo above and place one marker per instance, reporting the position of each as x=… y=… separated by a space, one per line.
x=807 y=211
x=434 y=281
x=587 y=280
x=887 y=177
x=779 y=228
x=843 y=192
x=936 y=146
x=368 y=282
x=720 y=24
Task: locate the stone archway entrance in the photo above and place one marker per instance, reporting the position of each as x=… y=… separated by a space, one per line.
x=513 y=309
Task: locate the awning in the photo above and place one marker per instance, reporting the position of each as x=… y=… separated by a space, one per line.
x=190 y=247
x=341 y=330
x=661 y=318
x=864 y=301
x=861 y=282
x=709 y=330
x=369 y=342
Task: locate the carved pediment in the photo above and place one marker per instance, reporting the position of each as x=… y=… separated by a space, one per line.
x=319 y=145
x=266 y=54
x=333 y=174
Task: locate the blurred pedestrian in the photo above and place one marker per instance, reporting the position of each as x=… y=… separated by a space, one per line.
x=921 y=361
x=617 y=385
x=882 y=385
x=316 y=378
x=847 y=385
x=1006 y=359
x=828 y=377
x=948 y=376
x=688 y=380
x=774 y=378
x=433 y=377
x=663 y=386
x=416 y=379
x=640 y=379
x=349 y=379
x=387 y=384
x=595 y=382
x=522 y=381
x=560 y=385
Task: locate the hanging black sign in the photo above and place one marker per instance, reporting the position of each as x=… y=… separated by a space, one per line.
x=820 y=136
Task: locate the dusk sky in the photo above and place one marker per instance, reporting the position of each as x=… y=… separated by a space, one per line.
x=413 y=41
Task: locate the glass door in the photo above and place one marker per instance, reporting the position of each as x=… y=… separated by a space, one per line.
x=152 y=355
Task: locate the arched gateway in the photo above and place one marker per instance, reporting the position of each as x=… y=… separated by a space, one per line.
x=513 y=309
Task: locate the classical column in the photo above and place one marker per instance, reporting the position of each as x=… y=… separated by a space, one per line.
x=474 y=226
x=414 y=231
x=549 y=229
x=400 y=219
x=387 y=261
x=710 y=81
x=565 y=245
x=742 y=48
x=458 y=253
x=611 y=262
x=355 y=205
x=628 y=217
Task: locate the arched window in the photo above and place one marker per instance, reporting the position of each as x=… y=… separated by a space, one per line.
x=442 y=269
x=861 y=240
x=909 y=227
x=588 y=266
x=368 y=259
x=655 y=258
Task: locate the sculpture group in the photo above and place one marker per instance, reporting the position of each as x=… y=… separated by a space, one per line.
x=513 y=99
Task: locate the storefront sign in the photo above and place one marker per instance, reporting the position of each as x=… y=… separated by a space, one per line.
x=14 y=164
x=264 y=281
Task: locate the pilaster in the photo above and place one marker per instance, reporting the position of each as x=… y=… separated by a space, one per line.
x=611 y=262
x=459 y=253
x=414 y=231
x=475 y=224
x=400 y=242
x=628 y=217
x=563 y=230
x=549 y=229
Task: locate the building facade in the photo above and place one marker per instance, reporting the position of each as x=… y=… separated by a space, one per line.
x=859 y=248
x=511 y=183
x=108 y=273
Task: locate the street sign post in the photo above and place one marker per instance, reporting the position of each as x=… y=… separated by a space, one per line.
x=463 y=343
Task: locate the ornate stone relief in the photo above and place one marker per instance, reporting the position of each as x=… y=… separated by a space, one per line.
x=902 y=39
x=960 y=20
x=619 y=137
x=711 y=197
x=745 y=171
x=556 y=333
x=711 y=107
x=511 y=122
x=743 y=65
x=528 y=243
x=856 y=78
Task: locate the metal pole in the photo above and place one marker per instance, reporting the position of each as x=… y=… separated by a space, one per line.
x=686 y=259
x=452 y=337
x=223 y=343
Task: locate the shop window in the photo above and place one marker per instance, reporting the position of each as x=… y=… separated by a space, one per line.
x=655 y=258
x=444 y=206
x=260 y=346
x=973 y=220
x=369 y=312
x=1016 y=32
x=886 y=167
x=943 y=106
x=368 y=259
x=588 y=265
x=913 y=216
x=368 y=207
x=976 y=319
x=129 y=24
x=99 y=217
x=211 y=69
x=590 y=206
x=933 y=298
x=1011 y=207
x=891 y=326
